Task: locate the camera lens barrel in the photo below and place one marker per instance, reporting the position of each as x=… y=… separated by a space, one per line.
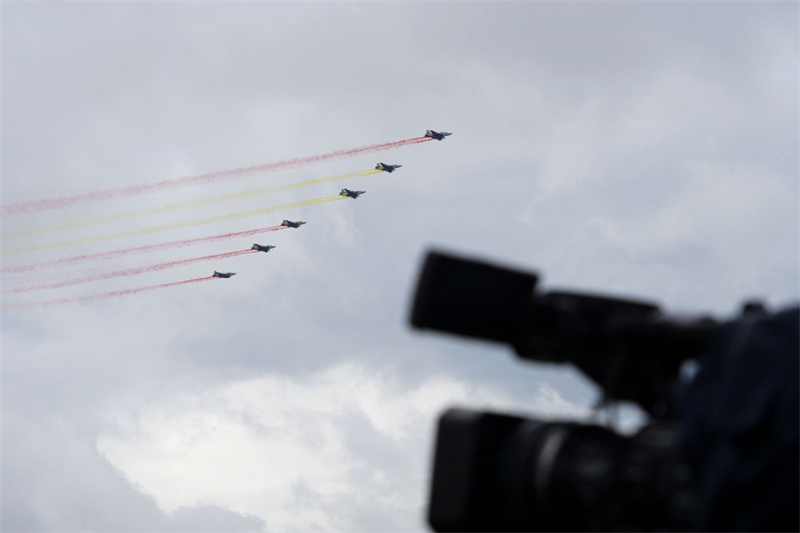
x=496 y=472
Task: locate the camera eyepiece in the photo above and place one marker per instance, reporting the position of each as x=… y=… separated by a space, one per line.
x=472 y=298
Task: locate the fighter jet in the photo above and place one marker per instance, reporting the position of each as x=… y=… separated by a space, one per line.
x=387 y=168
x=436 y=134
x=290 y=224
x=351 y=194
x=223 y=274
x=262 y=248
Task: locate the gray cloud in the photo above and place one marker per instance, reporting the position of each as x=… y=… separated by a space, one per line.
x=631 y=149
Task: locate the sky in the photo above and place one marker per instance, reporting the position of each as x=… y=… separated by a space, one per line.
x=644 y=150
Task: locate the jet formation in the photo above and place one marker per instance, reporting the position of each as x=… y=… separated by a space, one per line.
x=433 y=134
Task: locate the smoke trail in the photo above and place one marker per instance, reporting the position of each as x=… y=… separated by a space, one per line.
x=124 y=292
x=136 y=250
x=176 y=206
x=176 y=225
x=63 y=201
x=130 y=271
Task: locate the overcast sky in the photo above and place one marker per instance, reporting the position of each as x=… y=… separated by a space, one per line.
x=644 y=150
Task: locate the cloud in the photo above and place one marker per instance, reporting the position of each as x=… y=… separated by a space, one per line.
x=301 y=453
x=54 y=479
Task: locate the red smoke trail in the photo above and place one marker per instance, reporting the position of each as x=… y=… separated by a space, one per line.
x=130 y=271
x=74 y=299
x=63 y=201
x=136 y=250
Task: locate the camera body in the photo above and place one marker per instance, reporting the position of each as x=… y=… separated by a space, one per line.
x=706 y=442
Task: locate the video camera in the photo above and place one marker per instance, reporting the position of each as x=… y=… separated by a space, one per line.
x=720 y=451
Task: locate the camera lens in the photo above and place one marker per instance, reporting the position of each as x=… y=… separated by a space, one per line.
x=496 y=472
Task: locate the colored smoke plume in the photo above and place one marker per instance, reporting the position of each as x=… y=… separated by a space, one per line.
x=222 y=175
x=135 y=250
x=124 y=292
x=129 y=271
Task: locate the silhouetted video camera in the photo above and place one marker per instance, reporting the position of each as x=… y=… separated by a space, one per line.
x=720 y=451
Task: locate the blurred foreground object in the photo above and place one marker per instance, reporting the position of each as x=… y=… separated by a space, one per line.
x=720 y=451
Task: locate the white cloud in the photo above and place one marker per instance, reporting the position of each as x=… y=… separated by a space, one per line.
x=290 y=450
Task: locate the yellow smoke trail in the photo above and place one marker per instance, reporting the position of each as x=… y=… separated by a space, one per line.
x=175 y=225
x=188 y=204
